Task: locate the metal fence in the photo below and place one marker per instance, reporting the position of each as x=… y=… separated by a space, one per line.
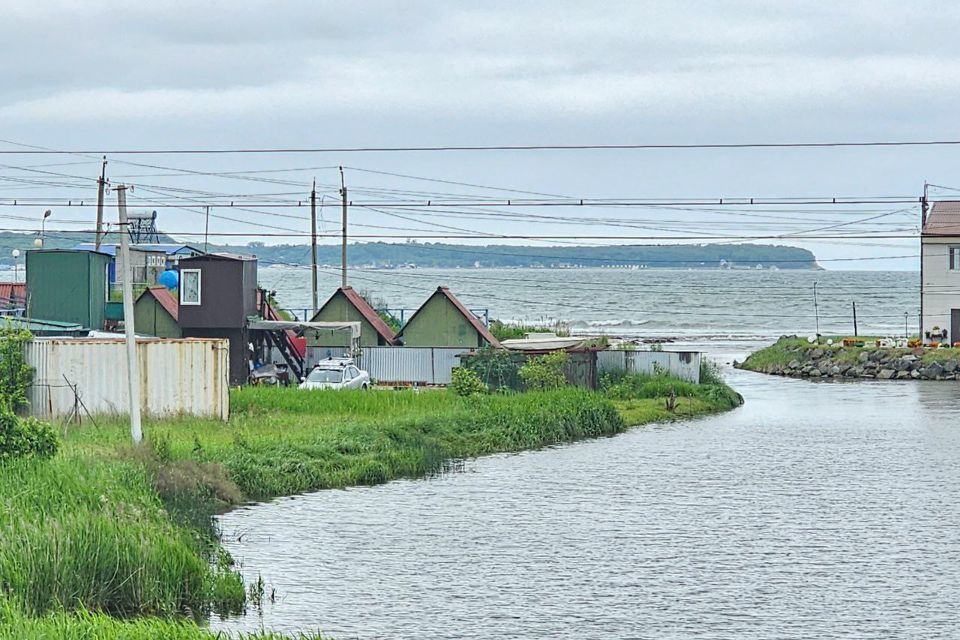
x=401 y=365
x=682 y=364
x=89 y=375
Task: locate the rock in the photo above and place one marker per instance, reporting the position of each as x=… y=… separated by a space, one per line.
x=863 y=357
x=870 y=366
x=835 y=370
x=915 y=374
x=931 y=371
x=793 y=364
x=815 y=373
x=886 y=374
x=950 y=366
x=909 y=358
x=902 y=375
x=817 y=353
x=902 y=365
x=854 y=372
x=875 y=356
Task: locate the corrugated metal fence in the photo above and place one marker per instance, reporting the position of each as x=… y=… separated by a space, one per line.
x=404 y=365
x=682 y=364
x=188 y=376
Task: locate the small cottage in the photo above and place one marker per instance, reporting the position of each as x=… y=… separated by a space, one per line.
x=156 y=313
x=940 y=273
x=444 y=321
x=68 y=286
x=346 y=305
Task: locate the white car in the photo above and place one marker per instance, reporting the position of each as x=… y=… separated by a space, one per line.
x=336 y=374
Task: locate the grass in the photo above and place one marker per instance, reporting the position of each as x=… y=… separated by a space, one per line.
x=786 y=349
x=112 y=529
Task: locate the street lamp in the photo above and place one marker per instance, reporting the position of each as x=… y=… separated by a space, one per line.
x=38 y=243
x=16 y=265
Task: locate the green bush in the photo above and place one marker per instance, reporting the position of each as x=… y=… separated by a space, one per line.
x=25 y=437
x=15 y=374
x=497 y=368
x=466 y=382
x=544 y=372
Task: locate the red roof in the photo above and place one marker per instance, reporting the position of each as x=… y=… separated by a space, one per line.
x=166 y=300
x=466 y=313
x=943 y=219
x=369 y=313
x=10 y=291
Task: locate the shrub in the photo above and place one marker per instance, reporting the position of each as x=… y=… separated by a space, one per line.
x=497 y=368
x=466 y=382
x=25 y=437
x=15 y=374
x=544 y=372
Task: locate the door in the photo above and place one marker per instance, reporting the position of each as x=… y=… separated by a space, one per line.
x=954 y=325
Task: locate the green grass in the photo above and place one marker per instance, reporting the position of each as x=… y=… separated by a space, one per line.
x=126 y=531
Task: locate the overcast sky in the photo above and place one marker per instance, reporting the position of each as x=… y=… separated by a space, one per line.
x=105 y=75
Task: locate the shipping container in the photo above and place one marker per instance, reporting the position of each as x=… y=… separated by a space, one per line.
x=177 y=377
x=682 y=364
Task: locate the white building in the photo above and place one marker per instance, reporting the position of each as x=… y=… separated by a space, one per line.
x=940 y=273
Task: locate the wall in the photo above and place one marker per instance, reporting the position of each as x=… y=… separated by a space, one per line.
x=937 y=284
x=151 y=319
x=403 y=365
x=176 y=377
x=67 y=286
x=228 y=290
x=339 y=309
x=682 y=364
x=238 y=349
x=439 y=324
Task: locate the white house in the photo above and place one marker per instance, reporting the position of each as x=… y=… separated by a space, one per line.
x=940 y=273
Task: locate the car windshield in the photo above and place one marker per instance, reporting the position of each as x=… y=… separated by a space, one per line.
x=325 y=375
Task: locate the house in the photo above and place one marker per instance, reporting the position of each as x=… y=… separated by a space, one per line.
x=346 y=305
x=940 y=273
x=218 y=293
x=68 y=286
x=444 y=321
x=148 y=260
x=156 y=313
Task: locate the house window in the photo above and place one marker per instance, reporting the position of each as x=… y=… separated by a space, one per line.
x=954 y=256
x=190 y=286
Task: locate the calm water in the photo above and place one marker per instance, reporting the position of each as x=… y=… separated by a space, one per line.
x=659 y=302
x=817 y=510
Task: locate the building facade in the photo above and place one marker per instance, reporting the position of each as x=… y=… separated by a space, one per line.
x=940 y=274
x=444 y=321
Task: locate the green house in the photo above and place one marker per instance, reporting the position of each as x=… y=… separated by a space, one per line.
x=68 y=286
x=444 y=321
x=155 y=313
x=346 y=305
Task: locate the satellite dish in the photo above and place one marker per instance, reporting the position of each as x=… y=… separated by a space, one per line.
x=829 y=342
x=812 y=339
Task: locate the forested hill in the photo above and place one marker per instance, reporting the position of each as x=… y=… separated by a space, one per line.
x=383 y=254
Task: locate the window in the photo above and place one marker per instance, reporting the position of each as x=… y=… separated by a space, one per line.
x=190 y=286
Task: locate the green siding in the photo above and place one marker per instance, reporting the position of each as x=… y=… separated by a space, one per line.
x=339 y=309
x=151 y=319
x=440 y=324
x=67 y=286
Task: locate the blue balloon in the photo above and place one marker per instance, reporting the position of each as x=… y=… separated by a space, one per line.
x=169 y=279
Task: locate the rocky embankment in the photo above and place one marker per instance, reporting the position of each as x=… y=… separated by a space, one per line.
x=808 y=361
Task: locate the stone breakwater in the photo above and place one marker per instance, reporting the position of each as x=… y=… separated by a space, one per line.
x=879 y=364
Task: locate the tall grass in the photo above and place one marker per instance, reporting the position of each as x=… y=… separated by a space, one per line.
x=81 y=532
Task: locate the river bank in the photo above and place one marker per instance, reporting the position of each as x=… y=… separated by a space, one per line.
x=106 y=527
x=797 y=358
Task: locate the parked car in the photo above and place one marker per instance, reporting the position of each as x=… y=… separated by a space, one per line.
x=336 y=374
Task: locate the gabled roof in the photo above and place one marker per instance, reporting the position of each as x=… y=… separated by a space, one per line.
x=165 y=298
x=369 y=313
x=943 y=219
x=111 y=249
x=13 y=291
x=466 y=313
x=219 y=256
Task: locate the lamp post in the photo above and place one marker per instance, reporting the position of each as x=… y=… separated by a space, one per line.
x=38 y=243
x=16 y=265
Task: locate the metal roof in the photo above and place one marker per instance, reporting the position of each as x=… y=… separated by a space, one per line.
x=943 y=219
x=369 y=313
x=111 y=249
x=42 y=327
x=295 y=325
x=162 y=295
x=466 y=313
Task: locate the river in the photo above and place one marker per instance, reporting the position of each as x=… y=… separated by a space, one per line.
x=816 y=510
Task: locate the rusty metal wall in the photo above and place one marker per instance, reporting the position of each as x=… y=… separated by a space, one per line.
x=188 y=376
x=682 y=364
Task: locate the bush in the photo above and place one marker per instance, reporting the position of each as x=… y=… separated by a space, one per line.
x=497 y=368
x=466 y=382
x=15 y=374
x=544 y=372
x=25 y=437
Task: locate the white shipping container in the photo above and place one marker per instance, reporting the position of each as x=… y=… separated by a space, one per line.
x=177 y=376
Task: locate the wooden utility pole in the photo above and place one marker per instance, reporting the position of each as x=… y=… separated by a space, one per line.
x=101 y=184
x=313 y=246
x=855 y=318
x=343 y=232
x=133 y=365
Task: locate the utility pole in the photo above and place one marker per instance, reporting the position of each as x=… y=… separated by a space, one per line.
x=816 y=311
x=313 y=246
x=101 y=185
x=855 y=318
x=906 y=329
x=133 y=366
x=206 y=232
x=343 y=233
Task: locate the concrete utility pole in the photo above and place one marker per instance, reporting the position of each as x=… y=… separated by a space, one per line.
x=313 y=246
x=133 y=365
x=343 y=233
x=206 y=232
x=101 y=184
x=816 y=310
